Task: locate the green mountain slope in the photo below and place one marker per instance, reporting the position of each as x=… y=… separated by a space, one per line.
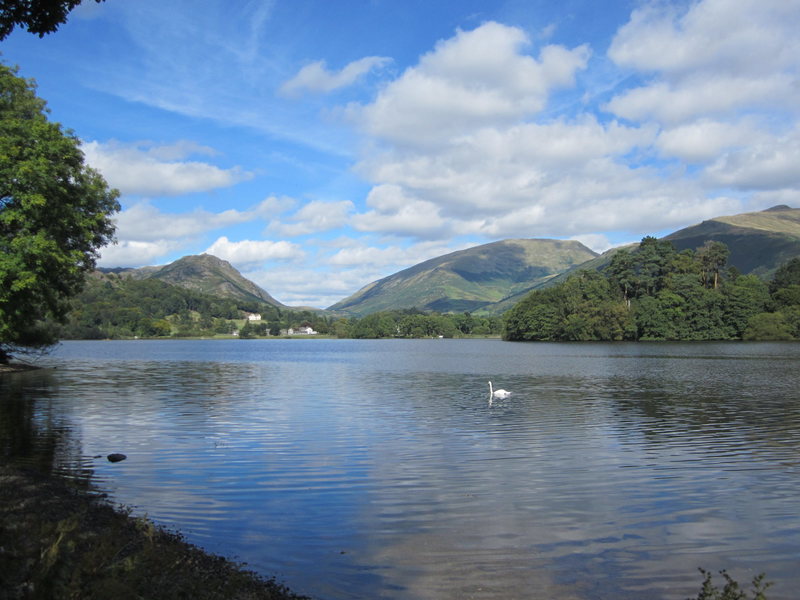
x=468 y=280
x=207 y=274
x=759 y=242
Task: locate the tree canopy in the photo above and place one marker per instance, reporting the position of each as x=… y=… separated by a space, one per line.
x=38 y=16
x=658 y=293
x=55 y=212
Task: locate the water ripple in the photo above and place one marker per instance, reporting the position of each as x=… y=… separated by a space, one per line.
x=355 y=469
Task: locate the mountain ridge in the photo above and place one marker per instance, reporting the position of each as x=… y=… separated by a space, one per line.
x=469 y=279
x=204 y=273
x=492 y=277
x=759 y=241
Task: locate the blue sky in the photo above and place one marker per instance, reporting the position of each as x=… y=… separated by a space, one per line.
x=320 y=145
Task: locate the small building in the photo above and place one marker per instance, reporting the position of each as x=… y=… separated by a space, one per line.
x=253 y=317
x=299 y=331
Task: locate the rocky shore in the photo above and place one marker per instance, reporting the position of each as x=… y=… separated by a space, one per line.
x=57 y=541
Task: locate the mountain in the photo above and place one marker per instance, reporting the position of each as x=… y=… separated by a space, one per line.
x=207 y=274
x=759 y=242
x=469 y=280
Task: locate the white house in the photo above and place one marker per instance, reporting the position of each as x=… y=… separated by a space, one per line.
x=301 y=331
x=254 y=317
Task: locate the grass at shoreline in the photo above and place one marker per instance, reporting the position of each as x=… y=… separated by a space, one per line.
x=60 y=542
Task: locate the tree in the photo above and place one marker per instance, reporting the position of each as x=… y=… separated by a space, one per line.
x=55 y=212
x=788 y=274
x=713 y=257
x=39 y=16
x=768 y=326
x=622 y=275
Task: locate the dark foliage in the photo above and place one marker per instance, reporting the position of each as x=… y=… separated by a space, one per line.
x=657 y=293
x=37 y=16
x=413 y=323
x=55 y=212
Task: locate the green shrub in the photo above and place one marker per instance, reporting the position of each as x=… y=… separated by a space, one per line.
x=731 y=590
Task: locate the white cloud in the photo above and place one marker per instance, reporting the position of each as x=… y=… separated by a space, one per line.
x=493 y=170
x=478 y=78
x=144 y=222
x=716 y=57
x=460 y=145
x=134 y=253
x=394 y=211
x=147 y=234
x=703 y=95
x=595 y=241
x=315 y=77
x=767 y=165
x=298 y=286
x=251 y=252
x=705 y=139
x=315 y=217
x=147 y=169
x=362 y=254
x=733 y=37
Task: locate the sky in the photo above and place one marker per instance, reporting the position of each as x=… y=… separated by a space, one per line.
x=320 y=145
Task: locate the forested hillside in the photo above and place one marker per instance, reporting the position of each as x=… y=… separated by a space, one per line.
x=658 y=293
x=118 y=306
x=206 y=274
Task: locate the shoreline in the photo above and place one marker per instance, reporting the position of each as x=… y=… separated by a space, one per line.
x=17 y=368
x=58 y=541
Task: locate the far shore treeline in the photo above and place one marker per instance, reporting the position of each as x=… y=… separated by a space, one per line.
x=116 y=306
x=657 y=293
x=652 y=292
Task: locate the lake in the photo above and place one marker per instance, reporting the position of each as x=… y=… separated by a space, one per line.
x=378 y=468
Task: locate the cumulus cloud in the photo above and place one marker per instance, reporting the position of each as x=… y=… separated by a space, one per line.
x=316 y=77
x=768 y=165
x=136 y=253
x=727 y=36
x=716 y=57
x=462 y=143
x=315 y=217
x=298 y=286
x=705 y=139
x=394 y=211
x=146 y=233
x=703 y=95
x=252 y=252
x=464 y=154
x=375 y=260
x=594 y=241
x=145 y=222
x=478 y=78
x=498 y=169
x=148 y=169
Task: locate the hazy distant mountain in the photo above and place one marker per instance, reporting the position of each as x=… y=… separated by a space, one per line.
x=469 y=280
x=204 y=273
x=759 y=242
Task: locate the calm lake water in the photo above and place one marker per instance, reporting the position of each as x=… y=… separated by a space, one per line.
x=378 y=469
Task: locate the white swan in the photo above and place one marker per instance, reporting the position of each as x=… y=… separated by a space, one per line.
x=497 y=394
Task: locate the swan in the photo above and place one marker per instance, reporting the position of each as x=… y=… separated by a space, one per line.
x=498 y=394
